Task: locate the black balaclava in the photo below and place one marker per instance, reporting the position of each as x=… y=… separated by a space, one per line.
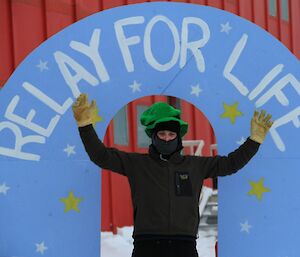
x=167 y=148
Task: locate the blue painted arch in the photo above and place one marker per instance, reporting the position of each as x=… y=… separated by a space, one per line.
x=166 y=48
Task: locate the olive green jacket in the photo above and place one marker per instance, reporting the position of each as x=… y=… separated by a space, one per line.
x=165 y=194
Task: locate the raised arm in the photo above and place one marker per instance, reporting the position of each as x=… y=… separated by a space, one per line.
x=226 y=165
x=104 y=157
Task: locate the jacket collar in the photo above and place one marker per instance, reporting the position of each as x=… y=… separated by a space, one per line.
x=174 y=158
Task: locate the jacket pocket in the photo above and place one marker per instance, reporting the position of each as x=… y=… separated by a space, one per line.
x=183 y=186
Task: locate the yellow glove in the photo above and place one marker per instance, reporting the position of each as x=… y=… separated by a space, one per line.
x=84 y=113
x=260 y=125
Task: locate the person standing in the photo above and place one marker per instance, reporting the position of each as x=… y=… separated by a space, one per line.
x=165 y=185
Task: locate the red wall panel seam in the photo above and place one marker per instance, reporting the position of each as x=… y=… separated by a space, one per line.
x=266 y=14
x=44 y=20
x=252 y=10
x=238 y=8
x=290 y=26
x=12 y=36
x=279 y=19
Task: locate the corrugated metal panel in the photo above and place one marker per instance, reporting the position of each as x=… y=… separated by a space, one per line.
x=231 y=6
x=6 y=42
x=58 y=15
x=285 y=35
x=295 y=31
x=85 y=8
x=112 y=3
x=135 y=1
x=273 y=18
x=246 y=9
x=202 y=2
x=215 y=3
x=27 y=33
x=260 y=11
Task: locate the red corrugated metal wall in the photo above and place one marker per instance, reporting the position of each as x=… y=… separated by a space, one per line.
x=24 y=24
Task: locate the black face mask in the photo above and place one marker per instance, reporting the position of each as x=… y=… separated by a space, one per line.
x=165 y=147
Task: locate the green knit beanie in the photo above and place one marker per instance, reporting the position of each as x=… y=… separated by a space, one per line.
x=161 y=112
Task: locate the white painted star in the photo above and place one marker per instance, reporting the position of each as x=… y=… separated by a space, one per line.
x=241 y=141
x=245 y=227
x=196 y=90
x=40 y=248
x=135 y=87
x=226 y=28
x=70 y=149
x=43 y=66
x=3 y=189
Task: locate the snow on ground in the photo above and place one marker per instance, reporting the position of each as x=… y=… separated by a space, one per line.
x=120 y=245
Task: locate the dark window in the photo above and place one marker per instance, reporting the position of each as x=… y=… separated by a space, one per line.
x=121 y=127
x=284 y=6
x=272 y=8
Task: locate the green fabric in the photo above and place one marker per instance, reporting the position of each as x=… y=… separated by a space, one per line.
x=162 y=112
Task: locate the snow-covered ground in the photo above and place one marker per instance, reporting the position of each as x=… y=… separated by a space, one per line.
x=120 y=245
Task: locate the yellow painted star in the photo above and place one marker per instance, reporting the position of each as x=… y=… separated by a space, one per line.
x=231 y=112
x=71 y=202
x=257 y=188
x=96 y=117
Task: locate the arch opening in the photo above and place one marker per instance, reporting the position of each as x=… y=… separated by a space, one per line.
x=125 y=132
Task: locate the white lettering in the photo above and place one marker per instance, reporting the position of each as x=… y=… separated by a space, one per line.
x=47 y=100
x=291 y=116
x=232 y=62
x=147 y=44
x=265 y=81
x=20 y=141
x=92 y=51
x=27 y=121
x=194 y=46
x=80 y=72
x=124 y=42
x=276 y=90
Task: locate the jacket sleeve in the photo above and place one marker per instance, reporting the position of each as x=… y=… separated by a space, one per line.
x=226 y=165
x=105 y=157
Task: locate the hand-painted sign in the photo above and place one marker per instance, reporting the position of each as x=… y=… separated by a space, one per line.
x=223 y=64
